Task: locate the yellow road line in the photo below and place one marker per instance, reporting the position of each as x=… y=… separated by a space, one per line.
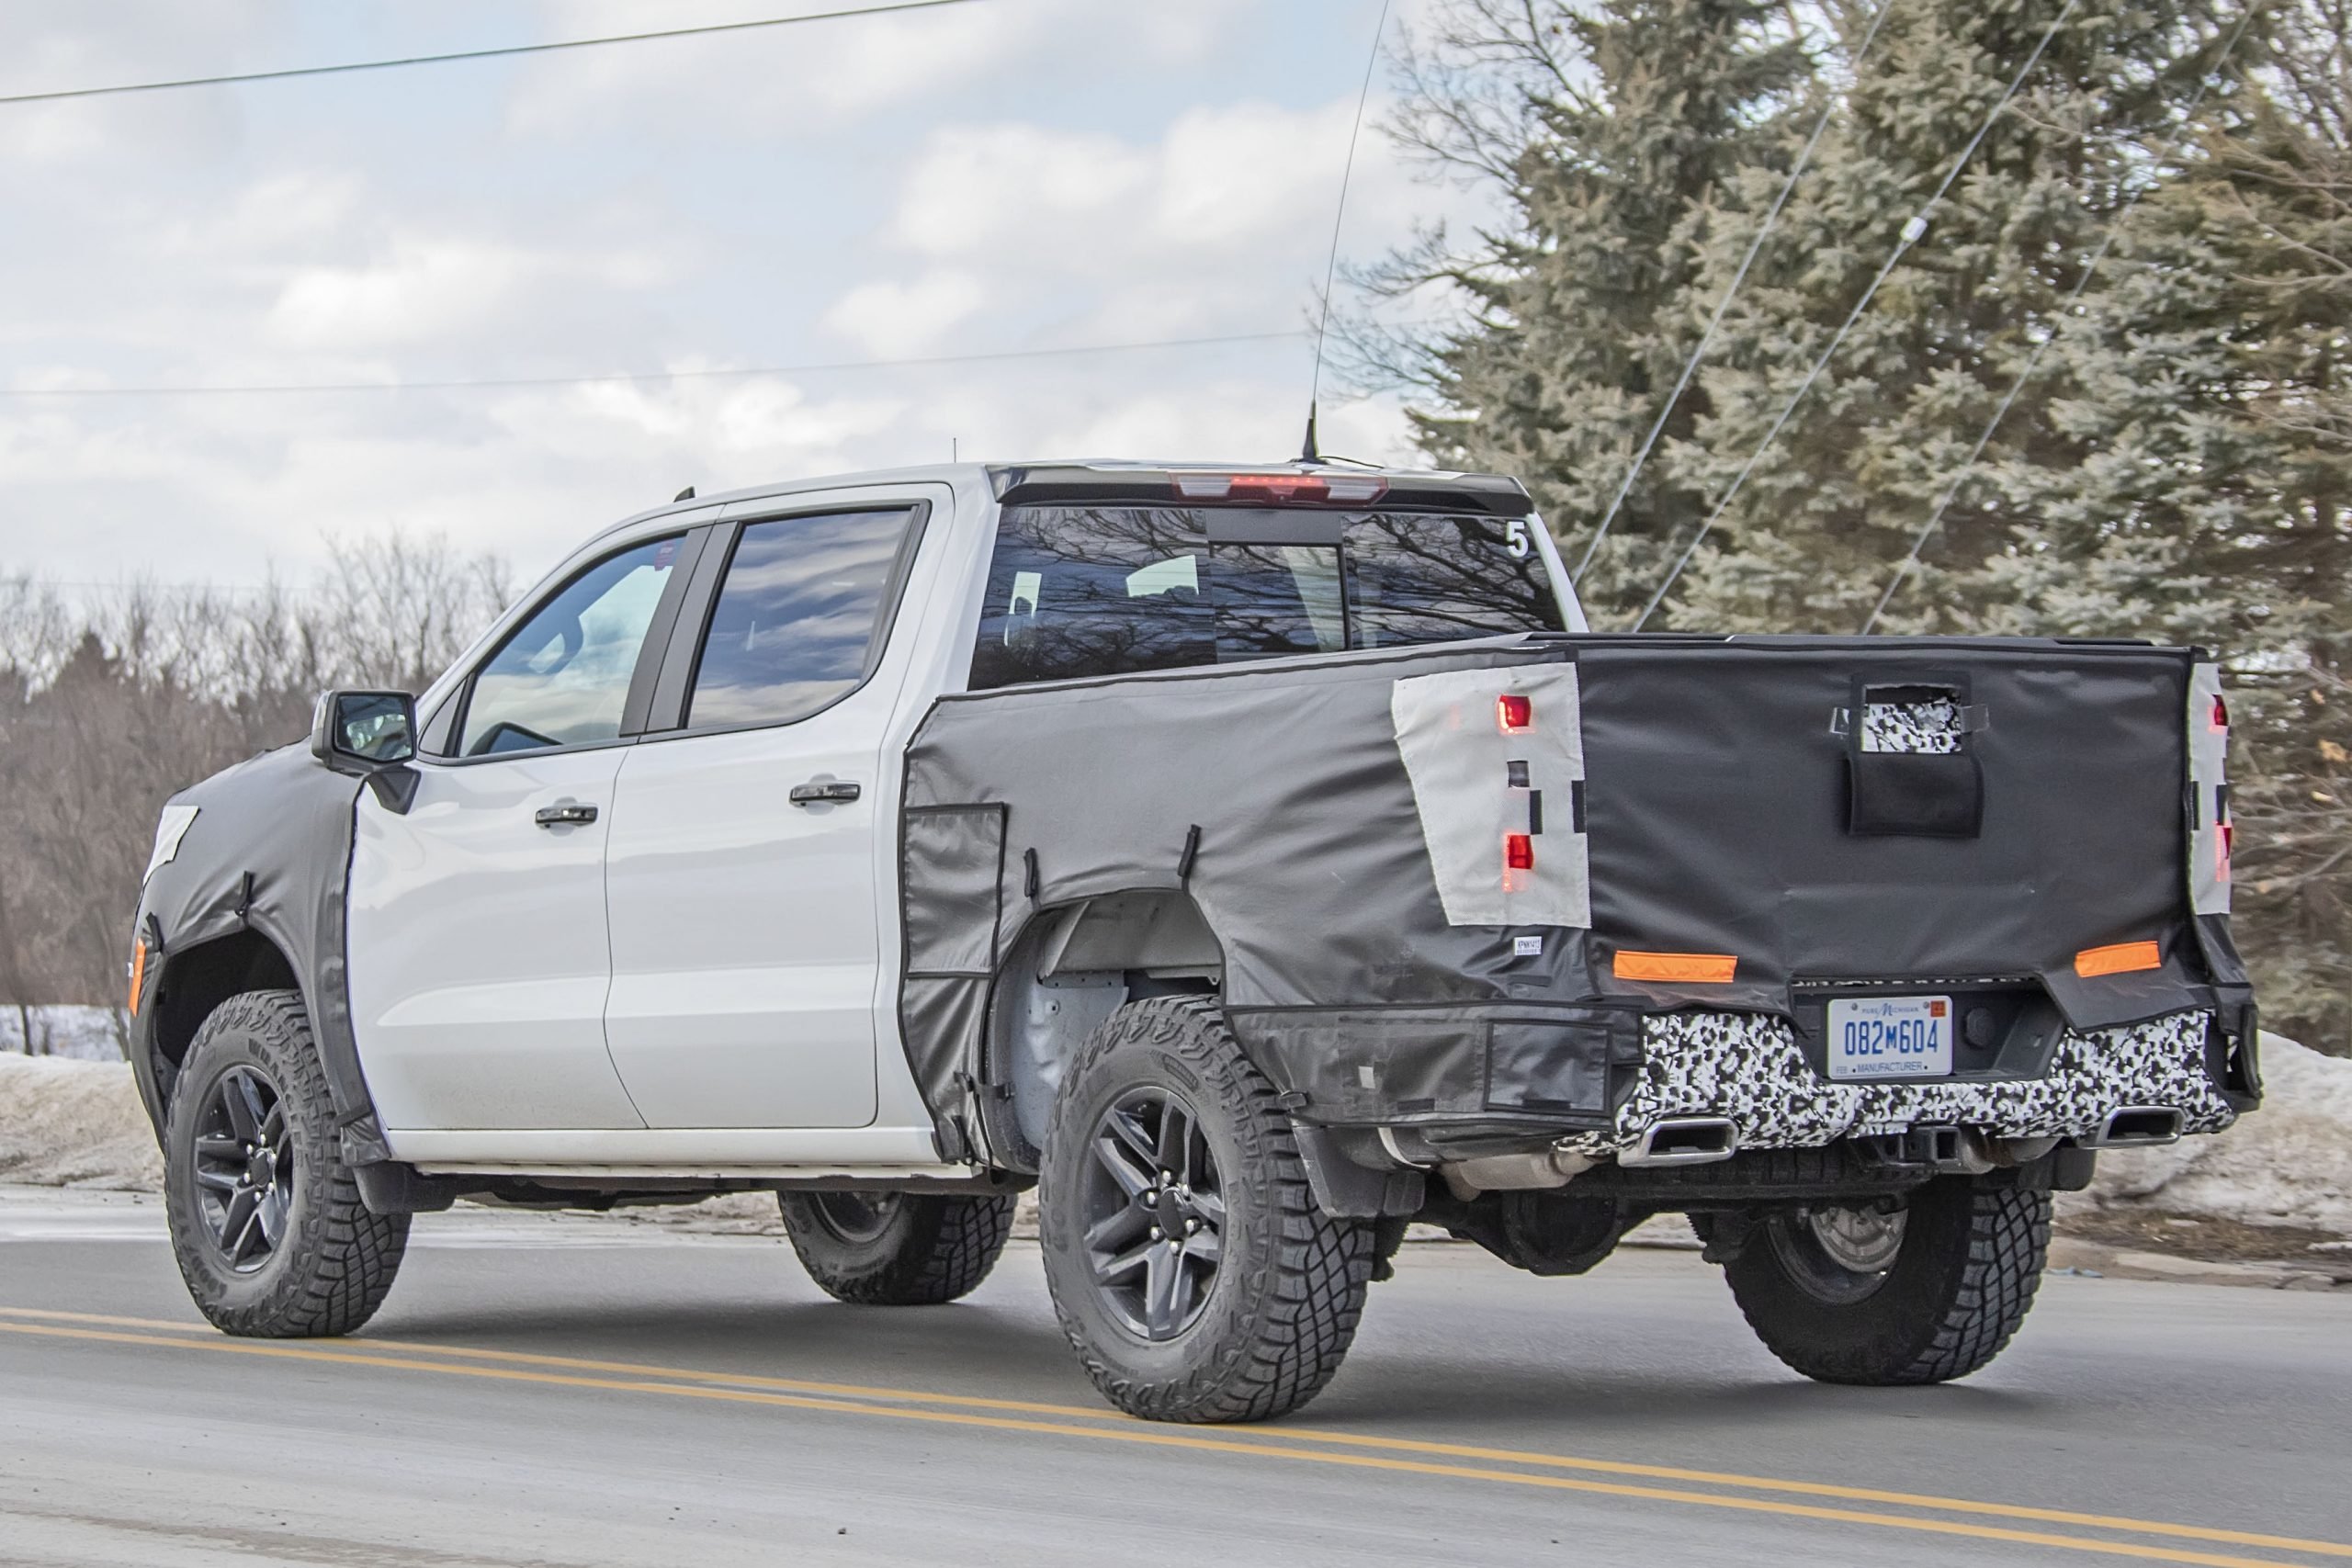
x=1154 y=1437
x=1305 y=1435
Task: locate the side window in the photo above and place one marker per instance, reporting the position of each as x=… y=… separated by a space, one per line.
x=1084 y=591
x=562 y=677
x=799 y=621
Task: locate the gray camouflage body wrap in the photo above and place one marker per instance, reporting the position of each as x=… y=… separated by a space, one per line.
x=1750 y=1068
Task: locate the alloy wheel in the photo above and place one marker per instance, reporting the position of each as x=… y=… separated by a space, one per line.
x=1154 y=1213
x=245 y=1168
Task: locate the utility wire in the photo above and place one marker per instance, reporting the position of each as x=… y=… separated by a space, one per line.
x=627 y=376
x=1914 y=227
x=1960 y=475
x=474 y=53
x=1339 y=218
x=1690 y=364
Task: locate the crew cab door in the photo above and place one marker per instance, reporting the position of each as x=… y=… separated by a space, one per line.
x=751 y=843
x=478 y=942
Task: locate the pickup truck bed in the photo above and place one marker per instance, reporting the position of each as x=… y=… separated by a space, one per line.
x=1703 y=806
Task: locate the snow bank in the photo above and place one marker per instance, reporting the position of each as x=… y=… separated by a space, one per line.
x=85 y=1034
x=2289 y=1163
x=79 y=1121
x=68 y=1122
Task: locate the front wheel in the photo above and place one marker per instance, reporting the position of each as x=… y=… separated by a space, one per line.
x=266 y=1220
x=1919 y=1292
x=896 y=1249
x=1190 y=1267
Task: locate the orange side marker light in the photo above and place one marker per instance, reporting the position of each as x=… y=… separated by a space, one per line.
x=2123 y=958
x=138 y=972
x=1682 y=968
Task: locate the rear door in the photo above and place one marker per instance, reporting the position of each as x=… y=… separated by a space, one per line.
x=751 y=840
x=479 y=944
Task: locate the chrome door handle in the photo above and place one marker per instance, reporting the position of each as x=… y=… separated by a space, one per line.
x=818 y=793
x=563 y=816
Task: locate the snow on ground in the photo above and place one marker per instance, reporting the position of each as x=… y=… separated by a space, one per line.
x=84 y=1033
x=69 y=1121
x=65 y=1122
x=2289 y=1163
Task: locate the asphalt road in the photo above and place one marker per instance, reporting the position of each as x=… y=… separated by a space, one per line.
x=548 y=1390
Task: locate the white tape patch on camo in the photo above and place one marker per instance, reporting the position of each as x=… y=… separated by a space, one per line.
x=1461 y=763
x=1749 y=1067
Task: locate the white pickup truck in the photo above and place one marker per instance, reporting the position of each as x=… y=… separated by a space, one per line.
x=1253 y=861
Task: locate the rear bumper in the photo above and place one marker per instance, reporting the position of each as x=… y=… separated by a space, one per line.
x=1749 y=1069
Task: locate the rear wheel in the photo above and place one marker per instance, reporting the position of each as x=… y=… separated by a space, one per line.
x=896 y=1249
x=265 y=1218
x=1190 y=1267
x=1921 y=1293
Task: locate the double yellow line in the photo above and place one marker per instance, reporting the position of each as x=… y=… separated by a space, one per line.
x=1746 y=1494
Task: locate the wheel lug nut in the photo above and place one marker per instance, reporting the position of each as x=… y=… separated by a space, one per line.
x=1156 y=1235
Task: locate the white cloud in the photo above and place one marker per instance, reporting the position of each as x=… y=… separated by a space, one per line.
x=1016 y=174
x=424 y=289
x=891 y=320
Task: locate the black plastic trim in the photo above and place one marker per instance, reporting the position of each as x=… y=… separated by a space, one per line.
x=1492 y=495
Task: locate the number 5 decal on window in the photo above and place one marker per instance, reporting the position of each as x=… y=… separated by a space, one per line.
x=1515 y=539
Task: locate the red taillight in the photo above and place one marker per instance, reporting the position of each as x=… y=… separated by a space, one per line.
x=2220 y=713
x=1516 y=714
x=1519 y=852
x=1282 y=489
x=2228 y=843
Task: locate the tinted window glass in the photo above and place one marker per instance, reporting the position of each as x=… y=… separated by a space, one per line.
x=797 y=623
x=562 y=678
x=1418 y=577
x=1081 y=591
x=1100 y=591
x=1272 y=600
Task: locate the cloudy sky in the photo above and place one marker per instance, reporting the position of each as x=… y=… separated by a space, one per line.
x=995 y=178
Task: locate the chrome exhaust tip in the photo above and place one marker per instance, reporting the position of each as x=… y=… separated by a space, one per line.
x=2137 y=1126
x=1685 y=1140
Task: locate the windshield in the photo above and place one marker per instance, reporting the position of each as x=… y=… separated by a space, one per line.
x=1081 y=591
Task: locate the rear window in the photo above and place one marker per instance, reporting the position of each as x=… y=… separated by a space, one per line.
x=1109 y=590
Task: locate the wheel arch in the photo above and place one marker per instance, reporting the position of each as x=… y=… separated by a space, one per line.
x=1069 y=968
x=197 y=979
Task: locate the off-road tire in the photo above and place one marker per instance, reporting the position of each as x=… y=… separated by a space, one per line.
x=928 y=1247
x=1277 y=1318
x=1970 y=1262
x=330 y=1271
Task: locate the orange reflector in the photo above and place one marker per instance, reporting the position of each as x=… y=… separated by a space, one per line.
x=2123 y=958
x=1689 y=968
x=138 y=974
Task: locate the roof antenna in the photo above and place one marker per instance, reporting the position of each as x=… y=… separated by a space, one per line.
x=1308 y=453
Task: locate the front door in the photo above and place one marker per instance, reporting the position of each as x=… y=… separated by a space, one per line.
x=745 y=934
x=480 y=949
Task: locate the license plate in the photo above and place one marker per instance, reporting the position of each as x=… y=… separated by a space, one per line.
x=1890 y=1037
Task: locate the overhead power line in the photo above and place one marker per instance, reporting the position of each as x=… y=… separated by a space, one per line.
x=2032 y=361
x=1914 y=228
x=1690 y=364
x=627 y=376
x=510 y=50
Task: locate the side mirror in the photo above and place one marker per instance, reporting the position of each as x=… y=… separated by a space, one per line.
x=371 y=735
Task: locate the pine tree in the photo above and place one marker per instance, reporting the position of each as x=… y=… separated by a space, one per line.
x=1630 y=117
x=2205 y=387
x=1809 y=540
